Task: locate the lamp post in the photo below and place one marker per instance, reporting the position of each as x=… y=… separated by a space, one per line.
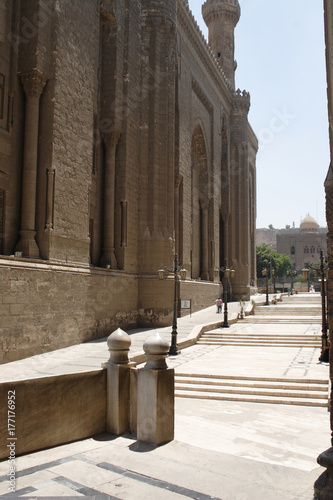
x=265 y=273
x=291 y=273
x=273 y=273
x=173 y=351
x=322 y=268
x=227 y=274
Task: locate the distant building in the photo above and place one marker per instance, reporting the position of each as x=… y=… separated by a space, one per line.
x=265 y=236
x=302 y=244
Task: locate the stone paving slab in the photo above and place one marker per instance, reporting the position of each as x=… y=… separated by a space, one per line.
x=272 y=362
x=222 y=450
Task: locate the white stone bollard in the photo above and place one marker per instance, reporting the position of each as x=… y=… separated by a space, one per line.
x=156 y=394
x=118 y=383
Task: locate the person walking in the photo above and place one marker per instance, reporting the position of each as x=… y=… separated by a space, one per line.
x=219 y=303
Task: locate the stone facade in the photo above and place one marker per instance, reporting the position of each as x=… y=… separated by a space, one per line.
x=122 y=141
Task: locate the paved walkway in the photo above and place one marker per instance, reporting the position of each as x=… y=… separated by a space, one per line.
x=222 y=450
x=90 y=355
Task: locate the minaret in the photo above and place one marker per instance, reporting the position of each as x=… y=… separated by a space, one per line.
x=221 y=17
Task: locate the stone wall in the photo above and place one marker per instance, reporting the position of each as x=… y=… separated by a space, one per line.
x=201 y=294
x=121 y=143
x=44 y=307
x=52 y=411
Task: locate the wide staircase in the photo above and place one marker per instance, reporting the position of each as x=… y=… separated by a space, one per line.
x=290 y=311
x=304 y=392
x=293 y=311
x=292 y=391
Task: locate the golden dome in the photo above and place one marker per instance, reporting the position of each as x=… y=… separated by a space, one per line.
x=309 y=223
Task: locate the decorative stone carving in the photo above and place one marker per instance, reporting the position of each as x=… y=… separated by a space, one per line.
x=156 y=349
x=119 y=343
x=33 y=83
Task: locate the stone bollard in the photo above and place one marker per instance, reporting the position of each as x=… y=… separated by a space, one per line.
x=323 y=487
x=156 y=394
x=118 y=383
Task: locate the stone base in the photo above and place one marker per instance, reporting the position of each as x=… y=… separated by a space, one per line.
x=323 y=487
x=27 y=244
x=109 y=259
x=240 y=292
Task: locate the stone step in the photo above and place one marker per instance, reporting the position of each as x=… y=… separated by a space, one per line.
x=256 y=399
x=251 y=384
x=244 y=378
x=269 y=338
x=282 y=321
x=241 y=339
x=305 y=392
x=223 y=333
x=266 y=341
x=255 y=344
x=274 y=393
x=290 y=312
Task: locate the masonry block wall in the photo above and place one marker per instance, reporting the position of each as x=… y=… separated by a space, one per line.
x=122 y=141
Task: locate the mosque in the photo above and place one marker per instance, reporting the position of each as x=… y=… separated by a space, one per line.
x=303 y=244
x=123 y=144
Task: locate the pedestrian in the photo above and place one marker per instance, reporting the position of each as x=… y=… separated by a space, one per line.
x=219 y=303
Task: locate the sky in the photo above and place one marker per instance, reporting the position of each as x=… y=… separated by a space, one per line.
x=280 y=53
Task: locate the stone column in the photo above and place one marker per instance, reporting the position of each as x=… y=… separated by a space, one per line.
x=49 y=198
x=109 y=258
x=118 y=383
x=204 y=243
x=123 y=236
x=156 y=394
x=178 y=180
x=33 y=84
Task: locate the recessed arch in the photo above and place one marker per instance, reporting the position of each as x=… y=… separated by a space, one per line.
x=200 y=202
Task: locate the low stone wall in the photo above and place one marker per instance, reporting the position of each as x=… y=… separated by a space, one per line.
x=47 y=412
x=44 y=306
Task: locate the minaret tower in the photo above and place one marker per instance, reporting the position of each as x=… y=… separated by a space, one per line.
x=221 y=17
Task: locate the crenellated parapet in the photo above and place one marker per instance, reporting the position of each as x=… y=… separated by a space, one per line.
x=223 y=9
x=203 y=49
x=241 y=102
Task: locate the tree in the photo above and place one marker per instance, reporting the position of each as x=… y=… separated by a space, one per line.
x=283 y=264
x=267 y=257
x=287 y=226
x=271 y=226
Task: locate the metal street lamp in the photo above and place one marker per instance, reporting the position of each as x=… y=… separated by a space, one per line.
x=291 y=273
x=265 y=273
x=173 y=351
x=227 y=274
x=323 y=269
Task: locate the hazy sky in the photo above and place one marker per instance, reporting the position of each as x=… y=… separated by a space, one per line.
x=280 y=52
